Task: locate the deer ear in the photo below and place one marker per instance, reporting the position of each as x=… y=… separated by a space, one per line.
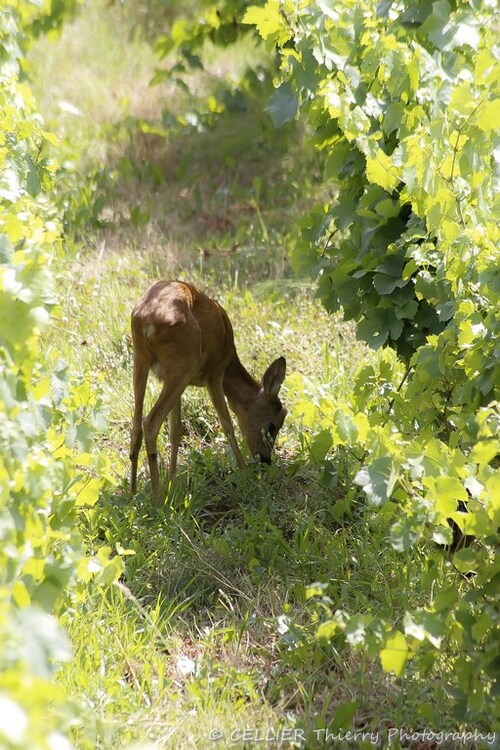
x=274 y=377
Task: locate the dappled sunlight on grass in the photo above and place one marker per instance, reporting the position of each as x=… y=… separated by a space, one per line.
x=214 y=191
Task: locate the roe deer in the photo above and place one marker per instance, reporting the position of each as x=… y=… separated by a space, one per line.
x=186 y=338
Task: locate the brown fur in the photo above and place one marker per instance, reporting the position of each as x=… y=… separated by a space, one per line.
x=186 y=338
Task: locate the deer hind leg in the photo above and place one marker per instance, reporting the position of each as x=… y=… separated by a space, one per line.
x=175 y=436
x=218 y=398
x=167 y=400
x=141 y=371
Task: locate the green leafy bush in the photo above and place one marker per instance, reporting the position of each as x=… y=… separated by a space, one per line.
x=405 y=104
x=47 y=421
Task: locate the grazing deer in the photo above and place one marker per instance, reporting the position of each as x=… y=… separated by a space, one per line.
x=186 y=338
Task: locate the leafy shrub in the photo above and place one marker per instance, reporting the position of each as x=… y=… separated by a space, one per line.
x=404 y=103
x=47 y=421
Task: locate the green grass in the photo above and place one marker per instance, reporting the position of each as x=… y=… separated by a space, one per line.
x=210 y=628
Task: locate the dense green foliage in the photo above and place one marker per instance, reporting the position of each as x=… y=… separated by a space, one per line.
x=47 y=422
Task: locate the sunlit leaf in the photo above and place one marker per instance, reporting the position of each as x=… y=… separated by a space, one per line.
x=488 y=116
x=268 y=20
x=380 y=169
x=394 y=655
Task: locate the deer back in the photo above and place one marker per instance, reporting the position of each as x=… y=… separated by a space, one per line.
x=176 y=325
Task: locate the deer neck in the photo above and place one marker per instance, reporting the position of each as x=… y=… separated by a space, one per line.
x=239 y=386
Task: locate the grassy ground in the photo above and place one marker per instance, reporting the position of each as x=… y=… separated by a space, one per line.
x=208 y=632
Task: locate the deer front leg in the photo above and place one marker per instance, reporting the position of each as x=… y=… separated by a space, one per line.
x=141 y=369
x=218 y=398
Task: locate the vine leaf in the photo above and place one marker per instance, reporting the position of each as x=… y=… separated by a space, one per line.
x=283 y=105
x=378 y=479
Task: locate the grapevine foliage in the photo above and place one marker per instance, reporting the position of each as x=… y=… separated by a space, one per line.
x=402 y=100
x=47 y=422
